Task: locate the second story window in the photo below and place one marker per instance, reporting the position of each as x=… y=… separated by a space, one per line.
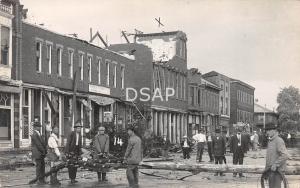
x=49 y=58
x=122 y=76
x=99 y=71
x=114 y=76
x=59 y=58
x=81 y=66
x=90 y=68
x=70 y=63
x=4 y=45
x=38 y=61
x=107 y=73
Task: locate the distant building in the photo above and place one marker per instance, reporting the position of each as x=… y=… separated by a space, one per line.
x=263 y=116
x=203 y=102
x=241 y=104
x=222 y=82
x=167 y=68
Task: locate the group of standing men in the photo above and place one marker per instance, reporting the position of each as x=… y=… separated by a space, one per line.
x=43 y=146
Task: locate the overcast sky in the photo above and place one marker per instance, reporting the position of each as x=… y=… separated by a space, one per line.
x=256 y=41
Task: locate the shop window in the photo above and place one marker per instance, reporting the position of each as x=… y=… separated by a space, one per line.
x=5 y=116
x=26 y=114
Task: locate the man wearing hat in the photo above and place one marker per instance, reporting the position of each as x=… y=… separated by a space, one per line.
x=102 y=148
x=238 y=146
x=277 y=155
x=165 y=146
x=200 y=139
x=73 y=149
x=133 y=156
x=218 y=148
x=39 y=151
x=186 y=147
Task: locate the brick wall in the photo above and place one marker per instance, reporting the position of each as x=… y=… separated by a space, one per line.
x=32 y=34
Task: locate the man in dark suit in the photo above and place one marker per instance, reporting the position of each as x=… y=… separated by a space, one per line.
x=39 y=151
x=238 y=146
x=219 y=148
x=73 y=149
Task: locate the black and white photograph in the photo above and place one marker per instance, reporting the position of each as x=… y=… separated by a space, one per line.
x=150 y=93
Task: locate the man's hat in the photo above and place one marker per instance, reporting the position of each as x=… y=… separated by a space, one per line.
x=77 y=124
x=239 y=129
x=270 y=126
x=101 y=128
x=37 y=124
x=217 y=131
x=184 y=136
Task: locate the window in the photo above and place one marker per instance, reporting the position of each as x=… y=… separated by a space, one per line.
x=90 y=68
x=59 y=58
x=199 y=95
x=122 y=76
x=107 y=73
x=38 y=62
x=71 y=58
x=5 y=116
x=191 y=96
x=114 y=80
x=4 y=45
x=25 y=114
x=81 y=65
x=49 y=58
x=99 y=71
x=184 y=88
x=221 y=106
x=226 y=106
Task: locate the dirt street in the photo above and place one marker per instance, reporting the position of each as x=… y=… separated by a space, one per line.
x=117 y=178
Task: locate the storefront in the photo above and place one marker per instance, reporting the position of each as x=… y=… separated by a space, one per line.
x=9 y=116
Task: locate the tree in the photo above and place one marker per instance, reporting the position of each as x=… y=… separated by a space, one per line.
x=288 y=101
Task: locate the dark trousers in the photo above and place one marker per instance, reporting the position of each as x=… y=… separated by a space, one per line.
x=200 y=147
x=40 y=169
x=238 y=158
x=186 y=152
x=209 y=148
x=219 y=160
x=132 y=173
x=101 y=175
x=72 y=172
x=275 y=180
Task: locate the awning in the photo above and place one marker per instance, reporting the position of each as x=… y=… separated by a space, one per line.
x=102 y=101
x=10 y=89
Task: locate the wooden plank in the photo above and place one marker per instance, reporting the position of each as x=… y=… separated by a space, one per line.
x=229 y=168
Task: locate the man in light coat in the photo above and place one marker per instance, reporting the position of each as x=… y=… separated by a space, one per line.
x=133 y=156
x=102 y=149
x=277 y=156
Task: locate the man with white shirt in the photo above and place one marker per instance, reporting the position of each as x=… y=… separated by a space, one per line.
x=53 y=147
x=200 y=139
x=73 y=149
